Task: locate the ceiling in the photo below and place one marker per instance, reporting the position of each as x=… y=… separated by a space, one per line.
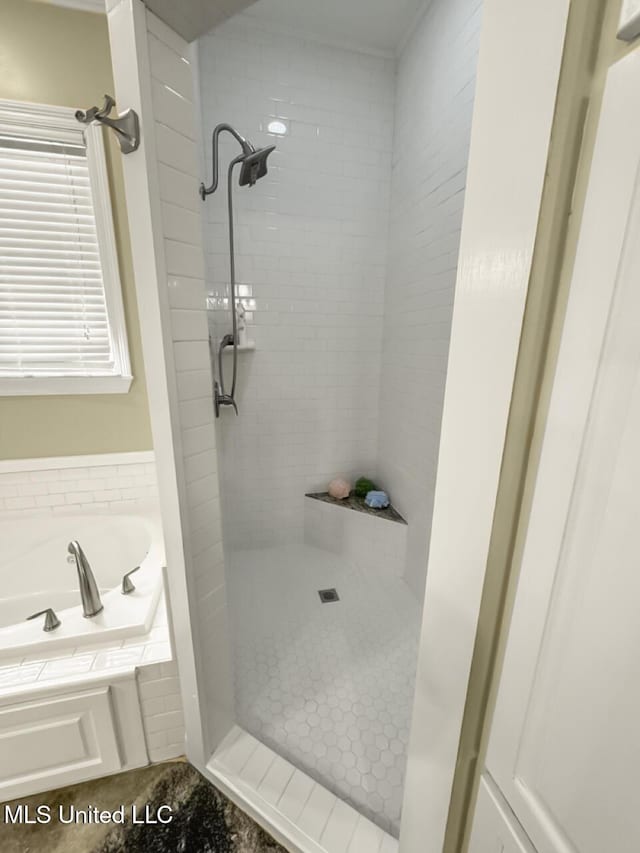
x=193 y=18
x=374 y=25
x=378 y=25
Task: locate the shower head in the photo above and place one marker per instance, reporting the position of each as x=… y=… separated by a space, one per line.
x=254 y=163
x=254 y=166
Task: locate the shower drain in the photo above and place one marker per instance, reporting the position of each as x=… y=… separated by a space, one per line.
x=328 y=595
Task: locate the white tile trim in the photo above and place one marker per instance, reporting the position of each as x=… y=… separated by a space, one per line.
x=226 y=770
x=13 y=466
x=25 y=673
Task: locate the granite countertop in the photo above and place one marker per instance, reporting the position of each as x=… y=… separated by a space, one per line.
x=358 y=504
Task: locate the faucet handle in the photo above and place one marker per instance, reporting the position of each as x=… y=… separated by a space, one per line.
x=127 y=584
x=51 y=621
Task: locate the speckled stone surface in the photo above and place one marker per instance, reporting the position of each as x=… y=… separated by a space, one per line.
x=390 y=513
x=204 y=820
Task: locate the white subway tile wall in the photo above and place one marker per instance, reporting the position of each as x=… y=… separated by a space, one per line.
x=434 y=103
x=178 y=177
x=162 y=718
x=46 y=489
x=311 y=242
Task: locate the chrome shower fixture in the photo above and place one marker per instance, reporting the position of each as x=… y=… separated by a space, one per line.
x=253 y=166
x=253 y=160
x=126 y=126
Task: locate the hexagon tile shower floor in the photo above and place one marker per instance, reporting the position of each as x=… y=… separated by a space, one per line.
x=329 y=686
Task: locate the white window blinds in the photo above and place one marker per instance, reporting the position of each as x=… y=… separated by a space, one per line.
x=53 y=314
x=61 y=318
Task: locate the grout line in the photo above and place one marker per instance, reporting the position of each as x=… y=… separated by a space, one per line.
x=311 y=790
x=179 y=133
x=353 y=832
x=250 y=756
x=262 y=778
x=326 y=823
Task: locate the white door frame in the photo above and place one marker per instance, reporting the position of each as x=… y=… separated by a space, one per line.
x=132 y=80
x=589 y=417
x=520 y=55
x=521 y=46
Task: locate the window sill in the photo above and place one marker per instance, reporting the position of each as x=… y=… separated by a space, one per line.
x=37 y=386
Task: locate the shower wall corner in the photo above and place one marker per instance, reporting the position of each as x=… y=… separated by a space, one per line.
x=153 y=75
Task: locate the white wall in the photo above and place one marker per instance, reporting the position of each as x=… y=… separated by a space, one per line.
x=311 y=251
x=434 y=102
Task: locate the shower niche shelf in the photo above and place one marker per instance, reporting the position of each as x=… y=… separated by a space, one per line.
x=373 y=540
x=358 y=504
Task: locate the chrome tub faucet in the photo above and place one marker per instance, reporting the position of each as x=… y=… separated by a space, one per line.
x=91 y=602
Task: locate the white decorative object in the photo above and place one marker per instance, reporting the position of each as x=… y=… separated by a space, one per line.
x=629 y=26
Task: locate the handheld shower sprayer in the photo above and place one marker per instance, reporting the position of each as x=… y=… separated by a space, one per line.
x=253 y=166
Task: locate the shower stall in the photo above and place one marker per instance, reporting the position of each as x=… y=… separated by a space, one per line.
x=309 y=306
x=343 y=264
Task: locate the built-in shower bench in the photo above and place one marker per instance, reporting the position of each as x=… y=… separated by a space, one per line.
x=373 y=539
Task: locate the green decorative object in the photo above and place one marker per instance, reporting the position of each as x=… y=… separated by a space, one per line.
x=363 y=486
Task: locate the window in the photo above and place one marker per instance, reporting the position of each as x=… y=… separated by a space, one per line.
x=62 y=327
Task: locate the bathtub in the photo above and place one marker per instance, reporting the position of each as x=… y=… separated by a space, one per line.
x=35 y=574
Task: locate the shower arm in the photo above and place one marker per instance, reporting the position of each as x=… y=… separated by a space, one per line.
x=247 y=148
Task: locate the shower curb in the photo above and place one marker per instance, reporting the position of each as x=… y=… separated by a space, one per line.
x=302 y=815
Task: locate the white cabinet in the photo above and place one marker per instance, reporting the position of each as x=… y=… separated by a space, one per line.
x=564 y=749
x=55 y=741
x=55 y=737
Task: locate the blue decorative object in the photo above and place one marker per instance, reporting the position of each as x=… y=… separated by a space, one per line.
x=377 y=500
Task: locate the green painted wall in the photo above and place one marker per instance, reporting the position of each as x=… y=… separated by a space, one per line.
x=59 y=56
